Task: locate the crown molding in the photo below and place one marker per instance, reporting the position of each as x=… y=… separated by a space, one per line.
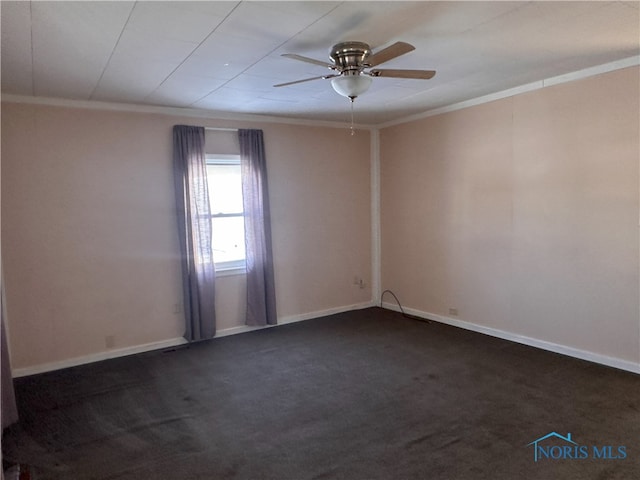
x=220 y=115
x=548 y=82
x=175 y=111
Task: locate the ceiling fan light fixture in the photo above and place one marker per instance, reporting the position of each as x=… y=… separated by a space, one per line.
x=351 y=85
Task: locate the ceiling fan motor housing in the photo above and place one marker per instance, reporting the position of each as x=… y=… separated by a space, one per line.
x=350 y=56
x=351 y=59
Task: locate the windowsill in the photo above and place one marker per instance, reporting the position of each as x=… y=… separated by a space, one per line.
x=229 y=272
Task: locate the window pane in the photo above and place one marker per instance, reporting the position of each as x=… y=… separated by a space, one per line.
x=228 y=239
x=225 y=188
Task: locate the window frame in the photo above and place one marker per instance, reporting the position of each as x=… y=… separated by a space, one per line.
x=231 y=267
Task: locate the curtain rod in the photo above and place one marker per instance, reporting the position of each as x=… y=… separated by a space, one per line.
x=221 y=129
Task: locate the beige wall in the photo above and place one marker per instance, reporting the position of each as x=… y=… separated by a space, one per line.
x=89 y=240
x=522 y=214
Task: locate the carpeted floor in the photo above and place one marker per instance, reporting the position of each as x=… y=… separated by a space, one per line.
x=362 y=395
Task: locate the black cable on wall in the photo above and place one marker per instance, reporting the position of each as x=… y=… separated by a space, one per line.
x=412 y=317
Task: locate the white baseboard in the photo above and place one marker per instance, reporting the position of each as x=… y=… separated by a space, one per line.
x=173 y=342
x=96 y=357
x=293 y=319
x=324 y=313
x=532 y=342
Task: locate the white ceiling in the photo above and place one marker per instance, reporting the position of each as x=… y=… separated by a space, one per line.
x=225 y=56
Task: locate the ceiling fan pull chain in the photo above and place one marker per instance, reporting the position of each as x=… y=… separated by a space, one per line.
x=353 y=132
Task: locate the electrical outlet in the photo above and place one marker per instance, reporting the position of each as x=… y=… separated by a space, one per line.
x=110 y=341
x=453 y=311
x=177 y=308
x=359 y=282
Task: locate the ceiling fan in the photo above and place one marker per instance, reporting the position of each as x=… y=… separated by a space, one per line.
x=353 y=62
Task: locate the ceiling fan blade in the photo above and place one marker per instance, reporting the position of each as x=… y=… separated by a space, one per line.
x=420 y=74
x=305 y=80
x=295 y=56
x=389 y=53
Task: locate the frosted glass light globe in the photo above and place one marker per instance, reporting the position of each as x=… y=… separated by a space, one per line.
x=351 y=85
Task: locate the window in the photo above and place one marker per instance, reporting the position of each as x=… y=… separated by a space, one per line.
x=227 y=216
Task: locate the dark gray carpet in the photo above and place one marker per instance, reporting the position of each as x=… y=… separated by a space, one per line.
x=361 y=395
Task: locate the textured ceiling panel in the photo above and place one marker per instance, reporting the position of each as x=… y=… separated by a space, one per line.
x=72 y=43
x=226 y=56
x=17 y=71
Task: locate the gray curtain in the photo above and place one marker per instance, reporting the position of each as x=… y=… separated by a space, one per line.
x=194 y=230
x=9 y=408
x=261 y=296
